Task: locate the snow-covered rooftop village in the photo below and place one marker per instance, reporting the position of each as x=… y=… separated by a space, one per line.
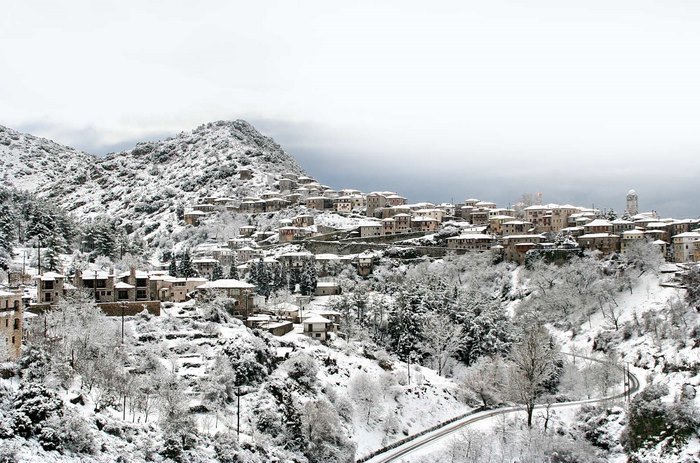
x=201 y=299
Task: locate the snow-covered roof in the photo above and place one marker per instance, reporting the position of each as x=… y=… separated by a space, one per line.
x=205 y=260
x=139 y=274
x=692 y=234
x=471 y=236
x=598 y=235
x=317 y=319
x=327 y=284
x=632 y=232
x=226 y=283
x=122 y=285
x=598 y=223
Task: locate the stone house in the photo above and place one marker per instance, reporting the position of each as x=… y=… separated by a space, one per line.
x=287 y=234
x=303 y=220
x=204 y=266
x=246 y=231
x=295 y=259
x=193 y=217
x=515 y=227
x=245 y=174
x=479 y=217
x=11 y=324
x=621 y=225
x=327 y=288
x=318 y=327
x=388 y=226
x=365 y=263
x=424 y=224
x=343 y=204
x=474 y=242
x=287 y=184
x=598 y=226
x=628 y=237
x=49 y=287
x=395 y=200
x=516 y=246
x=402 y=223
x=606 y=243
x=241 y=292
x=684 y=245
x=375 y=201
x=276 y=204
x=496 y=223
x=370 y=230
x=247 y=253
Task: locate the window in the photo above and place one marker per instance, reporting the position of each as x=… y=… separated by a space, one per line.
x=16 y=324
x=48 y=284
x=122 y=294
x=13 y=339
x=140 y=294
x=101 y=283
x=47 y=297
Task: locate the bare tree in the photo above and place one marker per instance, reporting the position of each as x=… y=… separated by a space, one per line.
x=485 y=378
x=533 y=365
x=442 y=338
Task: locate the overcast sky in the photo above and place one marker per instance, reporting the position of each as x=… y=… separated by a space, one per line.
x=438 y=100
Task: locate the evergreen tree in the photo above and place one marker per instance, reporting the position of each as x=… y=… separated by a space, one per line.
x=264 y=278
x=218 y=272
x=52 y=261
x=186 y=270
x=172 y=269
x=233 y=270
x=293 y=278
x=308 y=280
x=279 y=278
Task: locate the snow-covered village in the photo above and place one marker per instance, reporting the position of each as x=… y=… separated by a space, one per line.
x=218 y=292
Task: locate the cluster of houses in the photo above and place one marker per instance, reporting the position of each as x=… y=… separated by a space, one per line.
x=678 y=240
x=483 y=226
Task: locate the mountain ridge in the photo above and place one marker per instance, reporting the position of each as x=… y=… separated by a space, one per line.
x=149 y=184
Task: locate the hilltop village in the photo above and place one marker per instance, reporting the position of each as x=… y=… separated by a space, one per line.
x=305 y=256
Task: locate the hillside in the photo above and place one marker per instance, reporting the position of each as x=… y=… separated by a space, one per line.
x=143 y=188
x=32 y=163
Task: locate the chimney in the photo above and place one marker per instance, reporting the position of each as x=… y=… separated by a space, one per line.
x=132 y=275
x=78 y=279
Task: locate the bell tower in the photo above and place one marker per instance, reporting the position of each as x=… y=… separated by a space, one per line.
x=632 y=203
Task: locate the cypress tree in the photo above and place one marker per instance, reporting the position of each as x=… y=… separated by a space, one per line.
x=172 y=269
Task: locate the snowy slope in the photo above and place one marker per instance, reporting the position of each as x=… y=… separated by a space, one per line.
x=32 y=163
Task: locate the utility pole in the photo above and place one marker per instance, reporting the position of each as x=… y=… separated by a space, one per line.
x=94 y=286
x=123 y=304
x=238 y=413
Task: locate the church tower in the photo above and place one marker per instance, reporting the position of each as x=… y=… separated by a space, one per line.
x=632 y=203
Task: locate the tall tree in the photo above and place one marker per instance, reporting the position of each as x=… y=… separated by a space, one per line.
x=533 y=366
x=218 y=272
x=441 y=339
x=172 y=268
x=185 y=270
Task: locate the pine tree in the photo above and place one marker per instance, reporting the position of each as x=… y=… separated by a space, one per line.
x=51 y=261
x=172 y=269
x=217 y=273
x=233 y=271
x=308 y=280
x=264 y=279
x=185 y=270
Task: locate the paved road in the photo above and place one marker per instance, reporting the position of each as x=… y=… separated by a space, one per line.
x=422 y=441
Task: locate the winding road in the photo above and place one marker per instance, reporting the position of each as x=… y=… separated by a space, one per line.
x=414 y=443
